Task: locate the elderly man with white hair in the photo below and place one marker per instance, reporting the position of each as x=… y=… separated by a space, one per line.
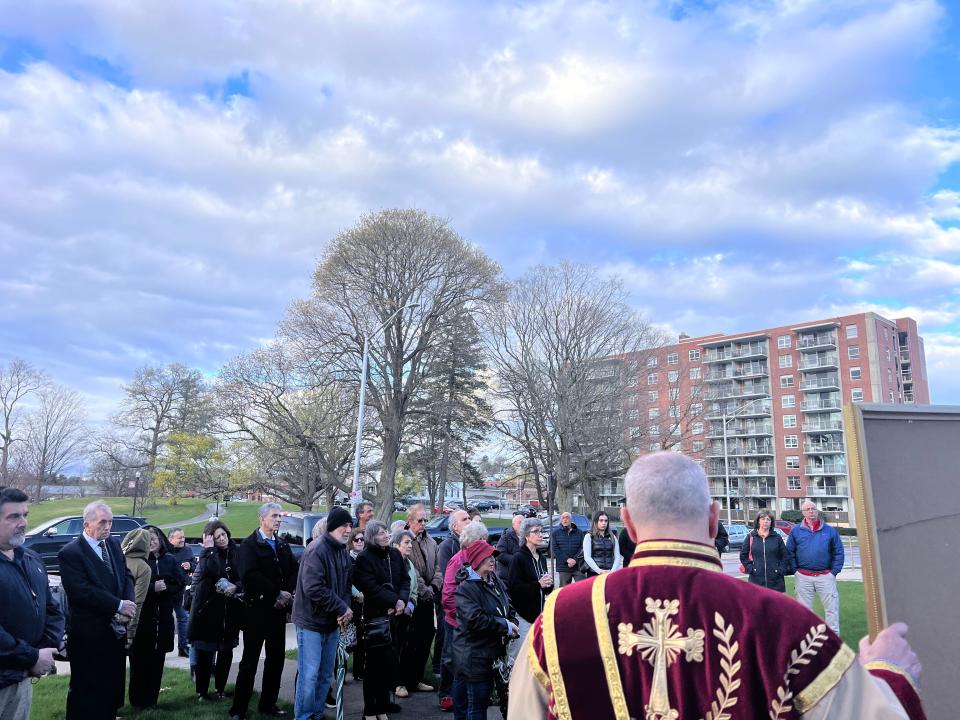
x=268 y=573
x=673 y=636
x=816 y=551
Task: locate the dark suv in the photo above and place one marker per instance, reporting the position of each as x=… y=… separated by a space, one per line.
x=48 y=538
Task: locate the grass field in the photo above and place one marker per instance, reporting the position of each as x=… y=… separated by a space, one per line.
x=159 y=512
x=178 y=701
x=240 y=517
x=853 y=611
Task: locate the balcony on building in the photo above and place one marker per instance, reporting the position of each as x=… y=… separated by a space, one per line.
x=830 y=447
x=820 y=361
x=821 y=382
x=823 y=404
x=740 y=429
x=817 y=341
x=740 y=468
x=762 y=488
x=837 y=489
x=908 y=396
x=739 y=409
x=740 y=448
x=744 y=389
x=906 y=376
x=814 y=469
x=823 y=426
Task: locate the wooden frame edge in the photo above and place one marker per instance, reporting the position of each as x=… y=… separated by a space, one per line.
x=859 y=475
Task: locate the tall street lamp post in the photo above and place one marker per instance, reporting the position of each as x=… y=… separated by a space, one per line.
x=726 y=458
x=356 y=497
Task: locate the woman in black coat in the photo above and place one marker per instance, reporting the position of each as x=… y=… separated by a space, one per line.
x=216 y=611
x=764 y=556
x=485 y=621
x=155 y=630
x=380 y=573
x=530 y=579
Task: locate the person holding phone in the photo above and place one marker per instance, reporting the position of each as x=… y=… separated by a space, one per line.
x=530 y=580
x=216 y=612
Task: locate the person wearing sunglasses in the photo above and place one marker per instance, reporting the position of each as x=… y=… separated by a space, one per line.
x=420 y=637
x=356 y=546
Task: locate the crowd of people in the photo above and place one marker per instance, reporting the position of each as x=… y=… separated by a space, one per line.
x=387 y=594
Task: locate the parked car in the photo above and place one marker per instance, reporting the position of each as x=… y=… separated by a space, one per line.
x=399 y=506
x=48 y=538
x=581 y=521
x=784 y=525
x=448 y=507
x=737 y=534
x=438 y=528
x=528 y=510
x=297 y=529
x=486 y=505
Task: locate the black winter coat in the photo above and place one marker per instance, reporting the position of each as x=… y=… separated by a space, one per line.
x=483 y=609
x=567 y=544
x=722 y=541
x=155 y=628
x=380 y=573
x=526 y=595
x=770 y=560
x=265 y=573
x=507 y=546
x=215 y=618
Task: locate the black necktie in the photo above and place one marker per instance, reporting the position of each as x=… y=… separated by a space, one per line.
x=105 y=556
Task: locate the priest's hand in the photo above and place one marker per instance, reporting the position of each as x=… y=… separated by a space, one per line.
x=891 y=646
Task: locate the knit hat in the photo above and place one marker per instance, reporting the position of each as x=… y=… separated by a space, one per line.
x=338 y=517
x=479 y=551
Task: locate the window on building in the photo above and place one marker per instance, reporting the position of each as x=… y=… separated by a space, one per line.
x=632 y=381
x=673 y=358
x=789 y=421
x=696 y=391
x=653 y=395
x=856 y=394
x=855 y=373
x=673 y=376
x=651 y=362
x=698 y=446
x=697 y=428
x=786 y=381
x=888 y=354
x=654 y=447
x=793 y=462
x=634 y=414
x=696 y=409
x=886 y=333
x=788 y=401
x=674 y=411
x=674 y=393
x=654 y=430
x=852 y=332
x=634 y=433
x=853 y=352
x=785 y=361
x=783 y=341
x=653 y=413
x=676 y=430
x=693 y=355
x=695 y=373
x=793 y=483
x=790 y=441
x=891 y=396
x=653 y=378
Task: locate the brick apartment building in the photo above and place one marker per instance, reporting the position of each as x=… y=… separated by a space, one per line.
x=778 y=394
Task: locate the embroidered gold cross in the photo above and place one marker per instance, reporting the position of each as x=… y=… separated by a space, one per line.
x=659 y=643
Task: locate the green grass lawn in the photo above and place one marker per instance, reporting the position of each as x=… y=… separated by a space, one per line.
x=178 y=701
x=853 y=610
x=240 y=517
x=158 y=512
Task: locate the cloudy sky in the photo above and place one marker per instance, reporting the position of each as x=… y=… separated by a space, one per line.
x=170 y=172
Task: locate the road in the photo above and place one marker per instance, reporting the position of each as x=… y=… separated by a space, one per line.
x=211 y=509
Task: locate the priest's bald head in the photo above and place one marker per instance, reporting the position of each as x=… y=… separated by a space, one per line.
x=667 y=497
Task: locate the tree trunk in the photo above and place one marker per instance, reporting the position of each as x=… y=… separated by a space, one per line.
x=388 y=475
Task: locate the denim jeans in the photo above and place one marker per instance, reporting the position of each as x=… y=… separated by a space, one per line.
x=471 y=699
x=182 y=617
x=316 y=655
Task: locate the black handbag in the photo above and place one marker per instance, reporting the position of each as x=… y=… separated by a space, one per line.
x=376 y=632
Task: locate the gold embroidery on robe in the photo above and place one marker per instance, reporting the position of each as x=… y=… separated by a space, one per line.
x=607 y=653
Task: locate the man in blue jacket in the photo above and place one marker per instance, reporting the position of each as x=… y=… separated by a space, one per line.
x=31 y=623
x=816 y=551
x=567 y=541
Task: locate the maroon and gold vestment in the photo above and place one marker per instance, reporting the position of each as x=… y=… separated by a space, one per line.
x=673 y=637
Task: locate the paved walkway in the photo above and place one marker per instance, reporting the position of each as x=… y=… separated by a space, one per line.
x=211 y=508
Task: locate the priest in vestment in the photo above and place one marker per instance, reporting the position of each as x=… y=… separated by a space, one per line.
x=673 y=637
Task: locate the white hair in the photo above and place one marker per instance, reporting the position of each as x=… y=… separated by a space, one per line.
x=529 y=525
x=93 y=509
x=319 y=529
x=667 y=486
x=397 y=525
x=472 y=532
x=267 y=507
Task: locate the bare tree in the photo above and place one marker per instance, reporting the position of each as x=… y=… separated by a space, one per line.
x=298 y=424
x=18 y=380
x=390 y=260
x=112 y=475
x=556 y=347
x=159 y=401
x=56 y=434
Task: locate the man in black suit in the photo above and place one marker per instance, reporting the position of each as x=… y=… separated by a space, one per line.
x=100 y=593
x=268 y=573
